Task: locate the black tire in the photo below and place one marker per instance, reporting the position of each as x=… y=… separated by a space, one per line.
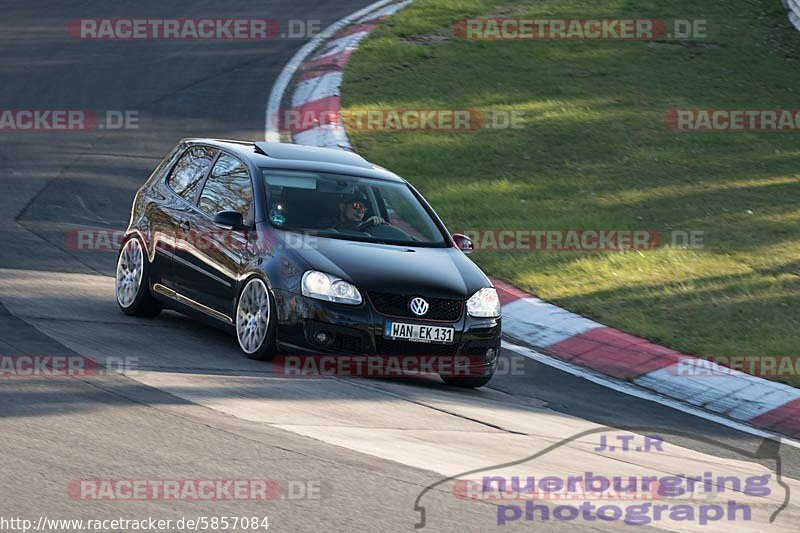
x=143 y=304
x=267 y=349
x=466 y=382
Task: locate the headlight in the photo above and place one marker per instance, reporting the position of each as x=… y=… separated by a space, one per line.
x=484 y=304
x=323 y=286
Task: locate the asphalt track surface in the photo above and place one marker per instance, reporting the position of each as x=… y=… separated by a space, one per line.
x=194 y=407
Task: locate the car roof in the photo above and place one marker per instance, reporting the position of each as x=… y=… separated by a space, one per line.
x=297 y=157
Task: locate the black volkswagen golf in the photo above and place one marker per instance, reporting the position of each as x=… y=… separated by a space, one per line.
x=301 y=250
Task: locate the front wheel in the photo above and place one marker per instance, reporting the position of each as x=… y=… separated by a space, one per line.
x=132 y=281
x=255 y=325
x=466 y=382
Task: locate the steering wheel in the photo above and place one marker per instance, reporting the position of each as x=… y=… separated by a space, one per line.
x=364 y=225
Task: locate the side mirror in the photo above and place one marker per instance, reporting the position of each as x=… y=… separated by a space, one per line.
x=229 y=220
x=463 y=243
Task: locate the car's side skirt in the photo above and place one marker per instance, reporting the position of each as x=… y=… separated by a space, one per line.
x=194 y=267
x=180 y=298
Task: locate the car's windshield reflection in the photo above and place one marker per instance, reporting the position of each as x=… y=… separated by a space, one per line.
x=347 y=207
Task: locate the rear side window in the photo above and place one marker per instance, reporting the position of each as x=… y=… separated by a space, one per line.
x=228 y=188
x=188 y=173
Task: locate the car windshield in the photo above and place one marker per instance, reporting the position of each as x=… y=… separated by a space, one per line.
x=347 y=207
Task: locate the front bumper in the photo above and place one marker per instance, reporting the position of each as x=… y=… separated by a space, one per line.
x=358 y=330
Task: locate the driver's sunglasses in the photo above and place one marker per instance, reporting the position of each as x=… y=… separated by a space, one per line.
x=358 y=206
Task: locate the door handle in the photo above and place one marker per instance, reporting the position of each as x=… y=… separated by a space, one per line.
x=185 y=226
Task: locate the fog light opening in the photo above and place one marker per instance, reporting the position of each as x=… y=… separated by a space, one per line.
x=323 y=337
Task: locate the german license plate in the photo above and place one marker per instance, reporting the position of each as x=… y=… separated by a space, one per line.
x=419 y=333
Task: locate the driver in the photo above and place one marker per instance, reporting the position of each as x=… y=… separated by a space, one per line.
x=351 y=214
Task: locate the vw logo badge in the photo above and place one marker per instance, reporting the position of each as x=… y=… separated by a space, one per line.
x=418 y=306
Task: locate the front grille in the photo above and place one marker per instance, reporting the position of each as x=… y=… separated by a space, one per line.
x=397 y=305
x=390 y=347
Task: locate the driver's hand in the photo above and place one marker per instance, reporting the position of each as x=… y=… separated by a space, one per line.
x=373 y=221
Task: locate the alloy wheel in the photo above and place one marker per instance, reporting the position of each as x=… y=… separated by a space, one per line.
x=252 y=316
x=130 y=268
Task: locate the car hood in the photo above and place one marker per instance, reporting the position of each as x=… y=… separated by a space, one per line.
x=432 y=272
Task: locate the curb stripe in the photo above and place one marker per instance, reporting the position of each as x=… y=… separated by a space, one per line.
x=542 y=324
x=738 y=395
x=636 y=391
x=760 y=405
x=350 y=30
x=317 y=88
x=325 y=108
x=615 y=353
x=783 y=419
x=508 y=293
x=340 y=45
x=325 y=64
x=326 y=137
